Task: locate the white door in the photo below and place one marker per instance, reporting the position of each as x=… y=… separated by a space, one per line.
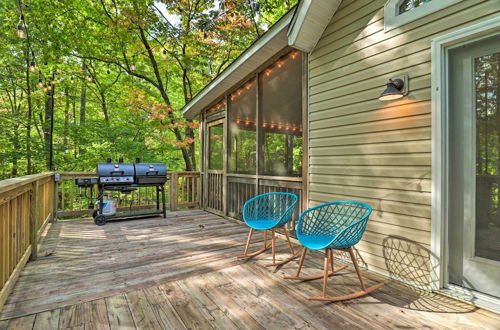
x=474 y=166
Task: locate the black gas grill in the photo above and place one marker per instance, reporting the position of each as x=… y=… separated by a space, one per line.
x=128 y=177
x=116 y=173
x=150 y=173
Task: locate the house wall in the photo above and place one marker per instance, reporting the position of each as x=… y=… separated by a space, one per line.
x=373 y=151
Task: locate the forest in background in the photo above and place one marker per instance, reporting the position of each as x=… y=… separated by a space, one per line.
x=81 y=81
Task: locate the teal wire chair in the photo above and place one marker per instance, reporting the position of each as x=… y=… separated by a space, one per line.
x=333 y=226
x=265 y=212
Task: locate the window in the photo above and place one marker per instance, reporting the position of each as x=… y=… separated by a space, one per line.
x=399 y=12
x=242 y=129
x=215 y=147
x=408 y=5
x=282 y=116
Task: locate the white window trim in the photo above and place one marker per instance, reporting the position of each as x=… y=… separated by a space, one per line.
x=440 y=47
x=392 y=18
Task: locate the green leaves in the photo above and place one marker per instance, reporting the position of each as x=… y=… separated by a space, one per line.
x=177 y=47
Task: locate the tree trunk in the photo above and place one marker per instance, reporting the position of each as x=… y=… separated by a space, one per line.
x=104 y=106
x=83 y=108
x=83 y=103
x=30 y=115
x=66 y=117
x=15 y=144
x=48 y=128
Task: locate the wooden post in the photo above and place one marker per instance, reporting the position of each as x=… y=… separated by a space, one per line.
x=305 y=133
x=34 y=215
x=225 y=168
x=259 y=137
x=174 y=189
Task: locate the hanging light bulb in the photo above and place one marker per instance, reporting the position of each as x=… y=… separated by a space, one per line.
x=164 y=54
x=132 y=66
x=39 y=84
x=89 y=78
x=45 y=88
x=32 y=66
x=72 y=79
x=20 y=29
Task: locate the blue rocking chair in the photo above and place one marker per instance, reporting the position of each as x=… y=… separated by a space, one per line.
x=265 y=212
x=333 y=226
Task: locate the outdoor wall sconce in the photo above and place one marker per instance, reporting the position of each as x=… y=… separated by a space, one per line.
x=396 y=89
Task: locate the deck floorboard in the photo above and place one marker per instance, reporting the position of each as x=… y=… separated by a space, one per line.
x=182 y=273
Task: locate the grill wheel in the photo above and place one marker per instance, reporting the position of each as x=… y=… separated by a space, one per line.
x=100 y=220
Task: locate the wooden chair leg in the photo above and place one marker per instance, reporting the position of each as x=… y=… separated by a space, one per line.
x=302 y=258
x=273 y=245
x=331 y=258
x=364 y=291
x=355 y=263
x=264 y=248
x=248 y=241
x=325 y=275
x=312 y=277
x=301 y=263
x=288 y=240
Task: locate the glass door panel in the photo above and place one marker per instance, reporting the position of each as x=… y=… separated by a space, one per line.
x=474 y=170
x=487 y=104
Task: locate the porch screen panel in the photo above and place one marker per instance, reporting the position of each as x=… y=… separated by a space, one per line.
x=282 y=116
x=242 y=129
x=215 y=147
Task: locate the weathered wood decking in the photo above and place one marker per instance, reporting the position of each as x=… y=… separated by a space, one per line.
x=182 y=273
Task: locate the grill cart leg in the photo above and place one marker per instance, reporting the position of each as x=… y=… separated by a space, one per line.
x=157 y=198
x=164 y=202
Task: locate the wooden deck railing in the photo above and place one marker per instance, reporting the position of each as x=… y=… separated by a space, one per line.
x=181 y=190
x=26 y=206
x=28 y=203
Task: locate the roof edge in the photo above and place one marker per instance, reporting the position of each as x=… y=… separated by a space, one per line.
x=314 y=15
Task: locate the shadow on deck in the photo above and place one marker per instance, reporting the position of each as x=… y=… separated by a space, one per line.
x=181 y=272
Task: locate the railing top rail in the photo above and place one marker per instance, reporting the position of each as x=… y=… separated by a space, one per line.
x=15 y=183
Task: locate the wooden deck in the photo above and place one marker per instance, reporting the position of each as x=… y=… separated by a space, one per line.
x=182 y=273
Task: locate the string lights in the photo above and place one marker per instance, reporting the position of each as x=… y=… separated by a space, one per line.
x=272 y=126
x=20 y=27
x=39 y=84
x=132 y=66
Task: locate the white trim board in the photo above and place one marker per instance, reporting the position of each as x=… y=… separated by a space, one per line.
x=440 y=115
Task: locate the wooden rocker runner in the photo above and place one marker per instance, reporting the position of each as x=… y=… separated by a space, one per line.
x=270 y=211
x=333 y=226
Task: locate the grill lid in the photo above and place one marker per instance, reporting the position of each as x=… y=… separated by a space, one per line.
x=115 y=173
x=150 y=169
x=150 y=173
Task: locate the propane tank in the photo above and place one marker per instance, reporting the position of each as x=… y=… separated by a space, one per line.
x=109 y=206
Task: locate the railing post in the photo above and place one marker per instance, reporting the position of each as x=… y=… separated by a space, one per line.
x=174 y=185
x=34 y=216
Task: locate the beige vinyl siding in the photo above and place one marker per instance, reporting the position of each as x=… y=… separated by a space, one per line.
x=378 y=152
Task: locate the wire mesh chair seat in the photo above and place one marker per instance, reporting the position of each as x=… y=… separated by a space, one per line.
x=333 y=226
x=270 y=211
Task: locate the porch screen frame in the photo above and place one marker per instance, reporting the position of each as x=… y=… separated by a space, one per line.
x=293 y=182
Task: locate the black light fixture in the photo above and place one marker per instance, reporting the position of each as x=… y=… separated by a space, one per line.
x=396 y=89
